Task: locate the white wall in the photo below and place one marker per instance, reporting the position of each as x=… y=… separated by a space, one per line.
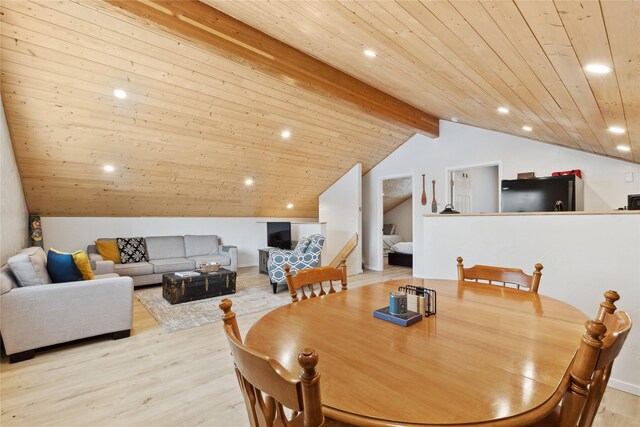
x=402 y=217
x=459 y=145
x=582 y=255
x=340 y=208
x=14 y=216
x=248 y=234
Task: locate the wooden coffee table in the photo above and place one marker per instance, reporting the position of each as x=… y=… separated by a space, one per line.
x=177 y=289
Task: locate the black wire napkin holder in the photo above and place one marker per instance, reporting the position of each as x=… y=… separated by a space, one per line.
x=430 y=297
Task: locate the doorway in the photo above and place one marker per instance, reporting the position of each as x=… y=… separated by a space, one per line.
x=475 y=189
x=397 y=219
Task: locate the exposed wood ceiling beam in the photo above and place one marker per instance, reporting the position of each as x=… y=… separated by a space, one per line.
x=228 y=36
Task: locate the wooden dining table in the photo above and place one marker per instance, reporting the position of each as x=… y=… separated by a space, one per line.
x=490 y=356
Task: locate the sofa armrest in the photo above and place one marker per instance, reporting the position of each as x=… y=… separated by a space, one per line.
x=37 y=316
x=102 y=267
x=95 y=257
x=231 y=252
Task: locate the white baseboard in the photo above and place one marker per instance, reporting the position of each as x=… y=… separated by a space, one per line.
x=624 y=386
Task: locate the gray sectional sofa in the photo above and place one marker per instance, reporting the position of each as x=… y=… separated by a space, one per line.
x=168 y=254
x=35 y=313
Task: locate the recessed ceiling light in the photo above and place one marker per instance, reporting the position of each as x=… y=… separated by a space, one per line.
x=624 y=148
x=454 y=119
x=120 y=94
x=248 y=182
x=503 y=110
x=527 y=128
x=616 y=129
x=370 y=53
x=109 y=168
x=285 y=134
x=289 y=205
x=597 y=68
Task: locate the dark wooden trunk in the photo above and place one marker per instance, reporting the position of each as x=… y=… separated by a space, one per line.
x=177 y=289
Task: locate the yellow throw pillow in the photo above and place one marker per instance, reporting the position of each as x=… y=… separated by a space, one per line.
x=81 y=260
x=108 y=249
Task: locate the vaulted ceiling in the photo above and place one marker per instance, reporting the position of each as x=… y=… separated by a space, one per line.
x=208 y=97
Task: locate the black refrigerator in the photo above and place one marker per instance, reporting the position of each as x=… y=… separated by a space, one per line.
x=554 y=193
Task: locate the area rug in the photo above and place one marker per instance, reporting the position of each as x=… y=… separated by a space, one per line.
x=197 y=313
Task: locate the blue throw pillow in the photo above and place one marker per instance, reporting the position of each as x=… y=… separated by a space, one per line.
x=61 y=268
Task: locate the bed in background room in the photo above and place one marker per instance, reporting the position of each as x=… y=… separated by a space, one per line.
x=401 y=254
x=393 y=247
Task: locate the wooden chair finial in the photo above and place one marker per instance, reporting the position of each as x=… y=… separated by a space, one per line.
x=308 y=359
x=460 y=269
x=581 y=372
x=310 y=380
x=608 y=306
x=229 y=317
x=538 y=267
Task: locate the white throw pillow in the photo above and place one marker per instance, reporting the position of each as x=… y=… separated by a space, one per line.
x=29 y=266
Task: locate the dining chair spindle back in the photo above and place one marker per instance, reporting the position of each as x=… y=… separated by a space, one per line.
x=268 y=388
x=591 y=368
x=501 y=276
x=305 y=281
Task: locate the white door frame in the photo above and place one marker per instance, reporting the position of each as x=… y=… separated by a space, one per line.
x=380 y=213
x=449 y=170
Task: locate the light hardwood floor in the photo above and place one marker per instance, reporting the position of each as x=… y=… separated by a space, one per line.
x=154 y=378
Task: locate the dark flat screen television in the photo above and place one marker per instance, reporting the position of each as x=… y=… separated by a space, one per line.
x=563 y=193
x=279 y=235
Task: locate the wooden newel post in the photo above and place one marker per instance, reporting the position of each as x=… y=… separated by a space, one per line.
x=229 y=317
x=344 y=273
x=310 y=379
x=460 y=269
x=581 y=373
x=535 y=282
x=608 y=306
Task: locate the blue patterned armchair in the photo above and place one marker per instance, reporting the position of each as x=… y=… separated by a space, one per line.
x=305 y=255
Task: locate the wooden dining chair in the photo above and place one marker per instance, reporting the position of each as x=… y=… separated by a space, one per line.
x=305 y=280
x=268 y=388
x=591 y=368
x=501 y=276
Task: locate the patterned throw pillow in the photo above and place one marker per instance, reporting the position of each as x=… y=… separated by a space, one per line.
x=132 y=250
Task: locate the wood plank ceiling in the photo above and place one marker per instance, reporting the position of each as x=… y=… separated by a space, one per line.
x=395 y=191
x=465 y=59
x=197 y=122
x=195 y=125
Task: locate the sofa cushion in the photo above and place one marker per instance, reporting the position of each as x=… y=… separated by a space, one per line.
x=132 y=250
x=61 y=267
x=200 y=245
x=134 y=268
x=170 y=265
x=7 y=280
x=220 y=259
x=29 y=266
x=161 y=247
x=108 y=250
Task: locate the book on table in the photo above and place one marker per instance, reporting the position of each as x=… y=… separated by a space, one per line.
x=407 y=319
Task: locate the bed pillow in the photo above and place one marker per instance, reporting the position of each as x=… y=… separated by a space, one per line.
x=61 y=268
x=132 y=250
x=108 y=250
x=388 y=229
